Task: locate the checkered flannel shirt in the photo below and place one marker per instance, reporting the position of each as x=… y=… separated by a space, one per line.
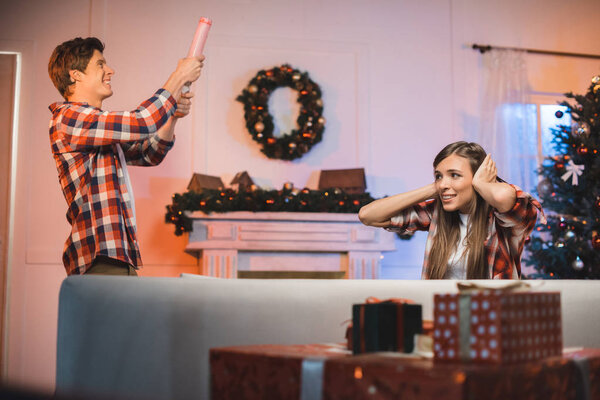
x=84 y=142
x=506 y=232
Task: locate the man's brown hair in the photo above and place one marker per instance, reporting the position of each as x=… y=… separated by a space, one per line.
x=70 y=55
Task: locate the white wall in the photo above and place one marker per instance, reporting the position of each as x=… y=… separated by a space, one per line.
x=399 y=83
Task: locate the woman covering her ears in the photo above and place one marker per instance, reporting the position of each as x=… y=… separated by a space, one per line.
x=477 y=223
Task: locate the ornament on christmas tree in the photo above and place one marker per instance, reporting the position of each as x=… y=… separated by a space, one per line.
x=582 y=150
x=581 y=129
x=562 y=224
x=569 y=235
x=559 y=114
x=577 y=264
x=596 y=241
x=596 y=79
x=573 y=171
x=545 y=187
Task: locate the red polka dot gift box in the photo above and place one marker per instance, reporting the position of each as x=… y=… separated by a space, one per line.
x=496 y=326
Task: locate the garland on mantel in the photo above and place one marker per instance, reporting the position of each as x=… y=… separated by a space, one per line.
x=287 y=199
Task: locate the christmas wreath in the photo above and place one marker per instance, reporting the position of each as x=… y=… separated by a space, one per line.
x=259 y=121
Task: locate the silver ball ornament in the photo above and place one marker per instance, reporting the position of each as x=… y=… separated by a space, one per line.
x=544 y=187
x=577 y=264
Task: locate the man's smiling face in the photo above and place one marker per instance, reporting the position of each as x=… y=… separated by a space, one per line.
x=94 y=84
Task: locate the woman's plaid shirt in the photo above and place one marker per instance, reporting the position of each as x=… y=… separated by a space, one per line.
x=506 y=232
x=84 y=142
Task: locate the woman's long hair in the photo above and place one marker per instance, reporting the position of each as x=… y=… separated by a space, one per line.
x=448 y=230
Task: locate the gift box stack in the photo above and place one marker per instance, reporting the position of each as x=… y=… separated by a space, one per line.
x=487 y=344
x=496 y=326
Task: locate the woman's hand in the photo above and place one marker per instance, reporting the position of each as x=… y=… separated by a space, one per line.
x=487 y=172
x=499 y=195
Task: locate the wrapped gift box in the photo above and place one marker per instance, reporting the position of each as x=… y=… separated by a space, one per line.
x=265 y=371
x=496 y=326
x=382 y=377
x=385 y=326
x=328 y=372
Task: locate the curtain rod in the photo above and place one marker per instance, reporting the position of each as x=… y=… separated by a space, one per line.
x=483 y=48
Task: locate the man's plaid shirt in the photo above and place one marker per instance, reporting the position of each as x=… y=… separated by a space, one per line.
x=506 y=232
x=84 y=142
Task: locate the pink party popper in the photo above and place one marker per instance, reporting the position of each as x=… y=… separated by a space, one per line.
x=200 y=37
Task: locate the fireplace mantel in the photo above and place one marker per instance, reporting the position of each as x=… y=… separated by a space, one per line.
x=286 y=241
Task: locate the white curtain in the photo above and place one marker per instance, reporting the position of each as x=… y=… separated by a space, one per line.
x=508 y=124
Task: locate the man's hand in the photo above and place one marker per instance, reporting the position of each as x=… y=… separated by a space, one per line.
x=487 y=172
x=188 y=70
x=184 y=104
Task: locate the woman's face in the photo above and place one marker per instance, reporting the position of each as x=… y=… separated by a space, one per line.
x=453 y=181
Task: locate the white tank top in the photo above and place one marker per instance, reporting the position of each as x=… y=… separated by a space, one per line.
x=457 y=262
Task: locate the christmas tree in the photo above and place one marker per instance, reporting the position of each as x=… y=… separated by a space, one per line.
x=568 y=245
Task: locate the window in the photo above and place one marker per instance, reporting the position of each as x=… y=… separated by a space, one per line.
x=530 y=135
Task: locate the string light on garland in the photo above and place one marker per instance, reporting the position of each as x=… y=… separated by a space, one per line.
x=259 y=121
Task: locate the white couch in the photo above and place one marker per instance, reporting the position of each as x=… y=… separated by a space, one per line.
x=148 y=338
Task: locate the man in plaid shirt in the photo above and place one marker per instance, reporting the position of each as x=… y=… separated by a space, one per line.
x=91 y=148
